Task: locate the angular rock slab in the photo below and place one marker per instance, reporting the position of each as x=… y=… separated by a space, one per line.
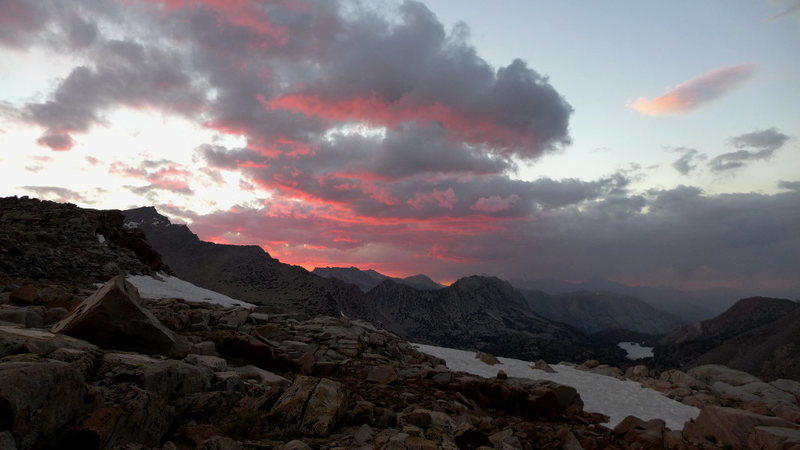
x=313 y=405
x=112 y=317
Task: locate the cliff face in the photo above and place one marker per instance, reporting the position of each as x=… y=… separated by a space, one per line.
x=61 y=242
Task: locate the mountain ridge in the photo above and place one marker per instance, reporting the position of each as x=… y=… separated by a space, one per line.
x=368 y=279
x=593 y=311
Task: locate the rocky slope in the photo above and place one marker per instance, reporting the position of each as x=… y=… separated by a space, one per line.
x=485 y=313
x=592 y=312
x=368 y=279
x=233 y=378
x=45 y=240
x=246 y=272
x=757 y=334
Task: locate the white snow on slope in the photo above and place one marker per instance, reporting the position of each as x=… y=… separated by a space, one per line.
x=636 y=351
x=173 y=287
x=601 y=394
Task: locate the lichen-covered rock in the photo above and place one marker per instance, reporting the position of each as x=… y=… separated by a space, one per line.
x=313 y=405
x=136 y=417
x=382 y=375
x=38 y=398
x=112 y=317
x=168 y=378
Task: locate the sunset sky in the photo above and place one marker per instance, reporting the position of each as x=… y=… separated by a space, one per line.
x=644 y=142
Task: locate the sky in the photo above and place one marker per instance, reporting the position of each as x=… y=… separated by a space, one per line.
x=648 y=143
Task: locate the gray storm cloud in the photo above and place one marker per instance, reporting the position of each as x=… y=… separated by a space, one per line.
x=755 y=146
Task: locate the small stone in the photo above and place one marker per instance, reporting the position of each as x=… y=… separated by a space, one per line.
x=212 y=362
x=543 y=366
x=487 y=358
x=296 y=445
x=382 y=375
x=502 y=375
x=591 y=363
x=24 y=296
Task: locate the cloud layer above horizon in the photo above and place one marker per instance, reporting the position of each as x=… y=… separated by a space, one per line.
x=346 y=135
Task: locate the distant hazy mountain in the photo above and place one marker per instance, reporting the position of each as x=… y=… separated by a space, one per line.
x=690 y=306
x=368 y=279
x=688 y=343
x=484 y=313
x=592 y=312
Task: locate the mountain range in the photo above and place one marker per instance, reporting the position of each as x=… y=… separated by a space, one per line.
x=689 y=306
x=592 y=312
x=368 y=279
x=477 y=312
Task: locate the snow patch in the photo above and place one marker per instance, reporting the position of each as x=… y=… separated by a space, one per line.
x=100 y=238
x=615 y=398
x=173 y=287
x=130 y=225
x=636 y=351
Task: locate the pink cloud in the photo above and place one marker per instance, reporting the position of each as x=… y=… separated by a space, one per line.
x=692 y=94
x=444 y=198
x=494 y=203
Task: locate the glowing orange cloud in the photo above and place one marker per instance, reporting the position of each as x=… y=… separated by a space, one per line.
x=701 y=89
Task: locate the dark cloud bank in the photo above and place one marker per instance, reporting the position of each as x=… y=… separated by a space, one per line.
x=430 y=187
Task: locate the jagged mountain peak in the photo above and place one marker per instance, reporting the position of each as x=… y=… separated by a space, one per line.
x=368 y=279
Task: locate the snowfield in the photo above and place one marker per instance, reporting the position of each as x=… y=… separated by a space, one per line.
x=173 y=287
x=615 y=398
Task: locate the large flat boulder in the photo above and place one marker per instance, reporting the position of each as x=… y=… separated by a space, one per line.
x=14 y=339
x=313 y=405
x=38 y=398
x=168 y=378
x=113 y=318
x=712 y=373
x=728 y=427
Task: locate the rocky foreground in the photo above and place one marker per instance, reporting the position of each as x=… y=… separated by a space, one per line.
x=118 y=371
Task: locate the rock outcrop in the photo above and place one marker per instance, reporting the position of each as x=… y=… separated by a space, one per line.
x=61 y=242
